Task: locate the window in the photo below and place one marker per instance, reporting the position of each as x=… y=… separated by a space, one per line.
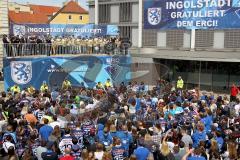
x=70 y=17
x=125 y=32
x=175 y=38
x=204 y=38
x=125 y=12
x=104 y=13
x=232 y=38
x=81 y=17
x=17 y=10
x=149 y=37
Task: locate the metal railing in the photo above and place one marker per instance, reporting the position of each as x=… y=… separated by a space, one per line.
x=48 y=49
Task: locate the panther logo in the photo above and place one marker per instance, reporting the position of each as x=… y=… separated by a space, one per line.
x=19 y=30
x=154 y=16
x=21 y=71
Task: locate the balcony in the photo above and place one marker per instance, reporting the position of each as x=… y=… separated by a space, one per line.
x=49 y=49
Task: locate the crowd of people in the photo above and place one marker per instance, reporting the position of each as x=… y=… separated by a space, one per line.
x=127 y=122
x=48 y=45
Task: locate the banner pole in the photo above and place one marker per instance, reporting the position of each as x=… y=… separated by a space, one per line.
x=140 y=21
x=193 y=37
x=96 y=12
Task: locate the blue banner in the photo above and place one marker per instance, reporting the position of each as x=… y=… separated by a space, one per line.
x=191 y=14
x=88 y=30
x=87 y=69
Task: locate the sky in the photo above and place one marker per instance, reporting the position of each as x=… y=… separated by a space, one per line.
x=59 y=3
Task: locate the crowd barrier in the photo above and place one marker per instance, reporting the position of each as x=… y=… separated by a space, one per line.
x=29 y=49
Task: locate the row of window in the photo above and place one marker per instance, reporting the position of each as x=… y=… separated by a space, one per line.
x=175 y=38
x=80 y=17
x=125 y=12
x=204 y=38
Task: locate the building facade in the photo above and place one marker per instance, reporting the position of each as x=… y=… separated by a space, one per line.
x=30 y=13
x=70 y=13
x=3 y=24
x=208 y=59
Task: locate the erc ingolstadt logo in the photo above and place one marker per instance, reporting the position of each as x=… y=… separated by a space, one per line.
x=21 y=71
x=154 y=15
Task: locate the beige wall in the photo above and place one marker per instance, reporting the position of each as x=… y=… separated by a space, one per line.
x=23 y=8
x=63 y=18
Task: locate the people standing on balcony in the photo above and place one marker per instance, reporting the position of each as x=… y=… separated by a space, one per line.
x=47 y=45
x=6 y=46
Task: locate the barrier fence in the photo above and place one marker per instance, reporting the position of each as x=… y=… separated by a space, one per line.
x=48 y=49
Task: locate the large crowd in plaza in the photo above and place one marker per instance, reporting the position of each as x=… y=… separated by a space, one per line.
x=127 y=122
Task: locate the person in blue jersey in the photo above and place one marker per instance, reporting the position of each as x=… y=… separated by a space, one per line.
x=78 y=133
x=45 y=131
x=193 y=154
x=125 y=137
x=50 y=154
x=66 y=141
x=105 y=138
x=86 y=126
x=149 y=101
x=118 y=151
x=199 y=135
x=76 y=149
x=138 y=103
x=141 y=152
x=55 y=94
x=100 y=128
x=209 y=120
x=154 y=100
x=218 y=137
x=113 y=130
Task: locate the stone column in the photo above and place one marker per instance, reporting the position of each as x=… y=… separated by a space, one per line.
x=4 y=26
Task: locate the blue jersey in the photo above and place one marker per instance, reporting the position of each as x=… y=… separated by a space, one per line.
x=78 y=133
x=106 y=140
x=126 y=139
x=87 y=127
x=118 y=153
x=66 y=142
x=76 y=151
x=71 y=125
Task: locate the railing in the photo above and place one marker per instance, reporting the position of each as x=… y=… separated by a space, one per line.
x=48 y=49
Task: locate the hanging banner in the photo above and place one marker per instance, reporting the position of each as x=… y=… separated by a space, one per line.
x=191 y=14
x=88 y=30
x=82 y=69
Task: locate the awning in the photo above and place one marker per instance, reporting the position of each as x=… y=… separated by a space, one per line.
x=216 y=56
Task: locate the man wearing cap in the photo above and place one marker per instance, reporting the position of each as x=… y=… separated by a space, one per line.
x=141 y=152
x=49 y=154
